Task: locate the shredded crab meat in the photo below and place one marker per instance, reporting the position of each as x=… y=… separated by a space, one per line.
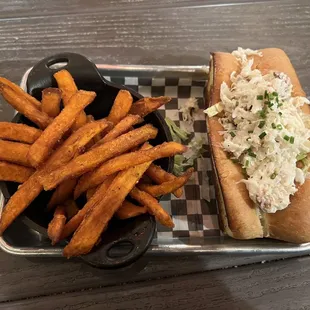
x=265 y=131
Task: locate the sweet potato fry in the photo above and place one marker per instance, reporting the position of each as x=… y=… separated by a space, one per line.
x=121 y=106
x=57 y=224
x=14 y=152
x=90 y=192
x=94 y=157
x=36 y=103
x=19 y=132
x=167 y=187
x=97 y=218
x=146 y=105
x=126 y=161
x=30 y=189
x=128 y=210
x=120 y=128
x=51 y=98
x=42 y=147
x=74 y=223
x=159 y=175
x=25 y=107
x=71 y=208
x=152 y=206
x=62 y=193
x=14 y=173
x=68 y=88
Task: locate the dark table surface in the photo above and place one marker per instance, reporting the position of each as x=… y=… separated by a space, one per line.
x=166 y=32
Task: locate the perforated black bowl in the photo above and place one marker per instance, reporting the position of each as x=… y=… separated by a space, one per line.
x=128 y=238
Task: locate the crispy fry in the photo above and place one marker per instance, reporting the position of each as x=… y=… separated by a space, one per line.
x=126 y=161
x=128 y=210
x=25 y=107
x=40 y=150
x=152 y=206
x=121 y=106
x=30 y=189
x=55 y=227
x=51 y=98
x=159 y=175
x=120 y=128
x=96 y=156
x=19 y=132
x=147 y=105
x=14 y=173
x=14 y=152
x=68 y=88
x=62 y=193
x=36 y=103
x=97 y=218
x=90 y=192
x=71 y=208
x=100 y=192
x=167 y=187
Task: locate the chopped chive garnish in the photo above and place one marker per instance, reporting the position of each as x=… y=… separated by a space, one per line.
x=275 y=93
x=265 y=94
x=286 y=137
x=250 y=131
x=277 y=99
x=250 y=153
x=280 y=104
x=279 y=127
x=280 y=113
x=232 y=134
x=292 y=139
x=273 y=176
x=260 y=97
x=270 y=104
x=273 y=125
x=261 y=124
x=271 y=97
x=247 y=163
x=262 y=135
x=262 y=113
x=266 y=102
x=234 y=160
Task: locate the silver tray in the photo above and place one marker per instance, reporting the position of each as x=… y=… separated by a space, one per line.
x=19 y=239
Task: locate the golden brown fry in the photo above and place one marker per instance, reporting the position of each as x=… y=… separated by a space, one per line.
x=167 y=187
x=19 y=132
x=126 y=161
x=55 y=227
x=25 y=107
x=146 y=105
x=62 y=193
x=36 y=103
x=121 y=106
x=51 y=98
x=94 y=157
x=128 y=210
x=99 y=193
x=97 y=218
x=68 y=88
x=159 y=175
x=14 y=173
x=30 y=189
x=42 y=147
x=152 y=206
x=91 y=192
x=14 y=152
x=71 y=208
x=120 y=128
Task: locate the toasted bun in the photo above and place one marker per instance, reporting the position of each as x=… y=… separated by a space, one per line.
x=240 y=218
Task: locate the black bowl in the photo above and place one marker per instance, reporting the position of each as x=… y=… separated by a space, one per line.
x=139 y=231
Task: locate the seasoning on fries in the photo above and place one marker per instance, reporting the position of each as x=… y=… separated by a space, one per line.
x=57 y=224
x=147 y=105
x=43 y=146
x=14 y=152
x=126 y=161
x=128 y=210
x=14 y=173
x=19 y=132
x=51 y=98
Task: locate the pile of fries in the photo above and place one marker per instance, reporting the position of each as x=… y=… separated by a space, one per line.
x=108 y=160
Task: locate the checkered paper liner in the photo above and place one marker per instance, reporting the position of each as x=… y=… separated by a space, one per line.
x=195 y=214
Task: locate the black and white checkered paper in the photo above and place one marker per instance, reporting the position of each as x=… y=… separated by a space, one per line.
x=195 y=214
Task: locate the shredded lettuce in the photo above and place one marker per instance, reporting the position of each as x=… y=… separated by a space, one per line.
x=188 y=110
x=178 y=134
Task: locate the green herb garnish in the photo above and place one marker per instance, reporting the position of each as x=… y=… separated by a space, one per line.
x=232 y=134
x=279 y=127
x=273 y=125
x=250 y=153
x=247 y=162
x=260 y=97
x=292 y=139
x=275 y=94
x=273 y=176
x=250 y=131
x=261 y=124
x=286 y=137
x=266 y=94
x=262 y=135
x=262 y=113
x=280 y=113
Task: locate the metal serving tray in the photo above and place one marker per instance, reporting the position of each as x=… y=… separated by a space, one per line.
x=195 y=238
